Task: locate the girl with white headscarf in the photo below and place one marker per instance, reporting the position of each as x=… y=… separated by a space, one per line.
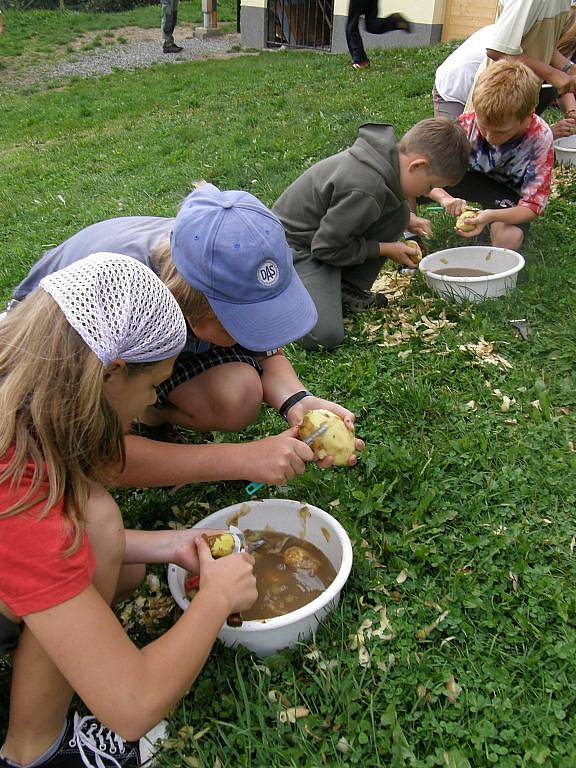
x=79 y=360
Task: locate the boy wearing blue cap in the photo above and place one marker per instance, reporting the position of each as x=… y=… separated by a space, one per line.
x=226 y=260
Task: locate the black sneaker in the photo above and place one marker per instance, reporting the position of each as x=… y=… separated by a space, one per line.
x=400 y=22
x=172 y=48
x=357 y=300
x=89 y=744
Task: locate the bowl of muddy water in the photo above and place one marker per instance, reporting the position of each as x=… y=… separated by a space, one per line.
x=472 y=273
x=301 y=567
x=565 y=150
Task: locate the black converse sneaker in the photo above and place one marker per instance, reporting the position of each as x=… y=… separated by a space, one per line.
x=357 y=300
x=89 y=744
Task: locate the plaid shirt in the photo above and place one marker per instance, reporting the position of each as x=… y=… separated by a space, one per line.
x=524 y=164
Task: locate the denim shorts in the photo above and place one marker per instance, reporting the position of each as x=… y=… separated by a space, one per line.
x=9 y=635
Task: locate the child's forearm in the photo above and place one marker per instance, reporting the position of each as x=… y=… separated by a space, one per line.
x=568 y=104
x=559 y=61
x=440 y=195
x=279 y=380
x=190 y=641
x=162 y=546
x=560 y=80
x=151 y=464
x=519 y=214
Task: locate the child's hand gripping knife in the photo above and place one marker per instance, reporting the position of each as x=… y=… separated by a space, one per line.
x=231 y=576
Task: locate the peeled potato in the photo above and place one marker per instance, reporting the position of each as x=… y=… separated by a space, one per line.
x=337 y=441
x=417 y=255
x=298 y=559
x=461 y=221
x=221 y=544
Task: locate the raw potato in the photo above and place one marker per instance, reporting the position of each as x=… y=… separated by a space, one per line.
x=337 y=441
x=417 y=256
x=299 y=559
x=221 y=544
x=462 y=224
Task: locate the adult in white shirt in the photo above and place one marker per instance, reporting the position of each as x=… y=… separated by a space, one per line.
x=527 y=30
x=455 y=76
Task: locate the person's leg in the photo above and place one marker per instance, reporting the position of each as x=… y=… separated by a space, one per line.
x=39 y=701
x=353 y=36
x=167 y=24
x=40 y=696
x=478 y=188
x=449 y=109
x=169 y=19
x=363 y=275
x=323 y=282
x=225 y=398
x=506 y=235
x=379 y=26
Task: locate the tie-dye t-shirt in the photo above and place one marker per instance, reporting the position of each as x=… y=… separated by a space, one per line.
x=523 y=164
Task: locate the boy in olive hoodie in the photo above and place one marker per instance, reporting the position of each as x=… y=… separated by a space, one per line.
x=344 y=215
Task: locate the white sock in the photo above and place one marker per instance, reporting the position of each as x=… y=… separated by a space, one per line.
x=52 y=749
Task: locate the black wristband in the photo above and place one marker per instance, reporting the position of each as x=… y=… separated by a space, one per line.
x=292 y=400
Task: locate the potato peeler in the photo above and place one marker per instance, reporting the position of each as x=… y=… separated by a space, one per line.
x=246 y=546
x=235 y=619
x=251 y=488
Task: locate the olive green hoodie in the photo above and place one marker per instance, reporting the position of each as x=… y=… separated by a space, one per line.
x=342 y=207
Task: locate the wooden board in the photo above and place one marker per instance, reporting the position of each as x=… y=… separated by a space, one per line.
x=463 y=17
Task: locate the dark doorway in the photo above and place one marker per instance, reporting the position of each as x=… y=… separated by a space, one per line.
x=300 y=23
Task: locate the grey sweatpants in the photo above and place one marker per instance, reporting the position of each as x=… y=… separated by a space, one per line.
x=324 y=284
x=450 y=109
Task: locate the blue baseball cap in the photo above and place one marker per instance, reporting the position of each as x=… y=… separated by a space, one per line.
x=230 y=247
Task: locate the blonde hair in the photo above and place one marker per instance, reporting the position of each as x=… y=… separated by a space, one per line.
x=193 y=302
x=506 y=89
x=567 y=42
x=444 y=145
x=54 y=412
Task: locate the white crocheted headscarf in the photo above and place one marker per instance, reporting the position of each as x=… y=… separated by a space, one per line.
x=119 y=307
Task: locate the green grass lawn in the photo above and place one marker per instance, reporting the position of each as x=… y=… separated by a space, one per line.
x=461 y=513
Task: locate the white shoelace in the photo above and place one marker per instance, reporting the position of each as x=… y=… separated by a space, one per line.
x=98 y=740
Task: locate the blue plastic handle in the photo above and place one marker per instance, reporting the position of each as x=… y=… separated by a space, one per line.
x=251 y=488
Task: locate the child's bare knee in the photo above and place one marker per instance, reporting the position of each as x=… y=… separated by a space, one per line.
x=510 y=237
x=242 y=402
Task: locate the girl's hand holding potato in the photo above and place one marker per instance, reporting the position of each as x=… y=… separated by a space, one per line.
x=231 y=578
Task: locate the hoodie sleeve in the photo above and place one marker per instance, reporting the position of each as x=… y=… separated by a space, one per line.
x=339 y=239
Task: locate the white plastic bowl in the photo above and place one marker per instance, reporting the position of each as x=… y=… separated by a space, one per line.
x=503 y=263
x=267 y=636
x=565 y=150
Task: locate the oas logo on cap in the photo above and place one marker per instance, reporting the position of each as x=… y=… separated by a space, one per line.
x=268 y=273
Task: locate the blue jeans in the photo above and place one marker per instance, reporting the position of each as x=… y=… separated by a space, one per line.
x=169 y=19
